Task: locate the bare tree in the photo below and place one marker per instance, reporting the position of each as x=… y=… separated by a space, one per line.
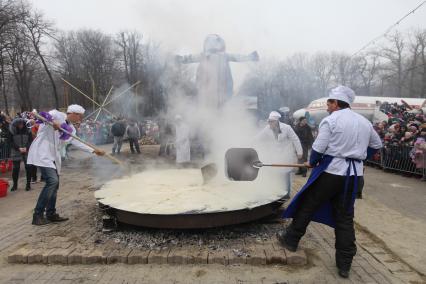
x=421 y=41
x=38 y=28
x=394 y=54
x=368 y=70
x=23 y=63
x=131 y=52
x=322 y=67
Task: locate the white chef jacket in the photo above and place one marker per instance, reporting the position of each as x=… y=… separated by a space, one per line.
x=345 y=134
x=281 y=150
x=45 y=150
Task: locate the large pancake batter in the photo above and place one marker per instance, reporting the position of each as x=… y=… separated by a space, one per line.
x=181 y=191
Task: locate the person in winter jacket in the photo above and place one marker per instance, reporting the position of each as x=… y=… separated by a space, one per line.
x=118 y=129
x=21 y=138
x=134 y=134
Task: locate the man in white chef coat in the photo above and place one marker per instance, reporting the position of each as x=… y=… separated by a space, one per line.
x=45 y=153
x=282 y=146
x=344 y=140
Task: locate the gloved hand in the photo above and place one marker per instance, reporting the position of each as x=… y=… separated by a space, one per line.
x=46 y=116
x=65 y=136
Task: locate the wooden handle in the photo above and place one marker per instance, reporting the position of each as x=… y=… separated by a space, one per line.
x=79 y=139
x=285 y=165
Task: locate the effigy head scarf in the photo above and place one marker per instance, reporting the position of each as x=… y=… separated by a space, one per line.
x=214 y=44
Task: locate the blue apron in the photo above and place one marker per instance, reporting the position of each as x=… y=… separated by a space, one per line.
x=324 y=214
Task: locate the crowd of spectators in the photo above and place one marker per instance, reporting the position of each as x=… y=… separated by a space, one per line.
x=96 y=132
x=403 y=136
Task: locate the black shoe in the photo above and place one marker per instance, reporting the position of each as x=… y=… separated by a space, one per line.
x=28 y=187
x=298 y=173
x=56 y=218
x=281 y=239
x=14 y=188
x=343 y=273
x=39 y=220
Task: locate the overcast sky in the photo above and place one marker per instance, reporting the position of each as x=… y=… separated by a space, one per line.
x=272 y=27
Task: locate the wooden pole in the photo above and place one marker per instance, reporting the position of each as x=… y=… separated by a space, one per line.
x=122 y=93
x=102 y=107
x=78 y=138
x=78 y=90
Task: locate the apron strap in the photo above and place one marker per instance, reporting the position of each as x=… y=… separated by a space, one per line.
x=350 y=206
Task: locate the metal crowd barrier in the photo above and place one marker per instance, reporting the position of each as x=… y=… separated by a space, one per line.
x=397 y=158
x=4 y=149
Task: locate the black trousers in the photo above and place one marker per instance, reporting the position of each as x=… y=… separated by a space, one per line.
x=328 y=187
x=134 y=142
x=17 y=168
x=305 y=149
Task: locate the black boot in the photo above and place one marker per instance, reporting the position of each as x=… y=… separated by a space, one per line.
x=281 y=239
x=56 y=218
x=14 y=187
x=28 y=187
x=39 y=220
x=343 y=273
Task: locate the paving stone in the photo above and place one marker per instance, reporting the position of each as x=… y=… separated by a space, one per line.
x=296 y=258
x=197 y=255
x=177 y=256
x=237 y=251
x=93 y=256
x=20 y=255
x=76 y=257
x=218 y=257
x=380 y=278
x=60 y=242
x=45 y=255
x=274 y=256
x=35 y=256
x=256 y=255
x=60 y=255
x=137 y=256
x=363 y=275
x=118 y=256
x=234 y=258
x=158 y=256
x=365 y=265
x=292 y=258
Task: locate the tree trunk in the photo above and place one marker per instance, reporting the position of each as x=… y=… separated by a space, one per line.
x=49 y=74
x=3 y=86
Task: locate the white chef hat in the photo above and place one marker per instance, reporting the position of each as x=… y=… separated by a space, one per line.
x=75 y=109
x=342 y=93
x=274 y=116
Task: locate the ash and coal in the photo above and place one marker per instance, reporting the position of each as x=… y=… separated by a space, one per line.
x=230 y=237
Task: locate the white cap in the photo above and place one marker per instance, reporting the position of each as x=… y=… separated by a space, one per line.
x=274 y=116
x=75 y=109
x=178 y=117
x=342 y=93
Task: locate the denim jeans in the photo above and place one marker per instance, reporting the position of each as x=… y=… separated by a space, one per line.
x=47 y=198
x=118 y=141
